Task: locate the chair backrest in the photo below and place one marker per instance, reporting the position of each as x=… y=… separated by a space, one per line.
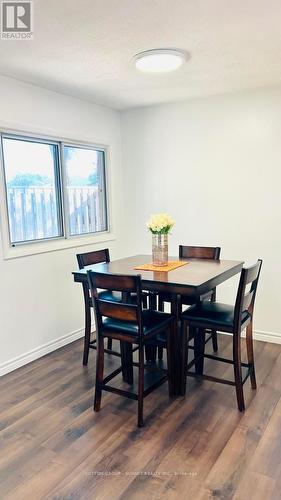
x=89 y=258
x=246 y=293
x=124 y=310
x=188 y=252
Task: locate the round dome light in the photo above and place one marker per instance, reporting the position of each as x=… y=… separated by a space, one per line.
x=158 y=60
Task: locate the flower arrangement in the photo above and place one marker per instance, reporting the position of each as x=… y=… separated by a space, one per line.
x=160 y=224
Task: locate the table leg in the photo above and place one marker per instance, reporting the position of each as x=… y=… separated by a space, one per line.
x=126 y=350
x=151 y=350
x=175 y=346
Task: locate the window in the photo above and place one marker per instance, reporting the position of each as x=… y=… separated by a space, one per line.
x=85 y=189
x=32 y=180
x=53 y=190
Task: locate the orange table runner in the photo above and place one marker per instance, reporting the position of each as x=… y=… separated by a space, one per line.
x=172 y=264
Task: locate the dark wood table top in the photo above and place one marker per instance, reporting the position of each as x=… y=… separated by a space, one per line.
x=197 y=277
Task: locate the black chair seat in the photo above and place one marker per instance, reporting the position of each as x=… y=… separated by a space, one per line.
x=112 y=296
x=117 y=296
x=152 y=321
x=186 y=300
x=213 y=314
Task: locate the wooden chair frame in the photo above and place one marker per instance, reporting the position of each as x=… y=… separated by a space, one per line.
x=124 y=311
x=88 y=259
x=245 y=302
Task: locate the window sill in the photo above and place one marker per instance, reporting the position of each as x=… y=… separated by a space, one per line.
x=28 y=249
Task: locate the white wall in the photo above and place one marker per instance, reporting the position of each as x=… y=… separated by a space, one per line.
x=215 y=165
x=39 y=303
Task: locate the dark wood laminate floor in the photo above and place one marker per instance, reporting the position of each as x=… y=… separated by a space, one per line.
x=54 y=446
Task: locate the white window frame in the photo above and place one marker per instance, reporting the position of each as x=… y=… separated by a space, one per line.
x=66 y=240
x=65 y=202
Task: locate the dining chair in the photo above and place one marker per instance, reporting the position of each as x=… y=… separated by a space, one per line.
x=89 y=259
x=130 y=324
x=193 y=252
x=224 y=318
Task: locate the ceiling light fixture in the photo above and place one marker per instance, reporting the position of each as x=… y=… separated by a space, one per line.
x=160 y=60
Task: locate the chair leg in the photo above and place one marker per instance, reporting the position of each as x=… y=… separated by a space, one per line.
x=179 y=307
x=250 y=353
x=99 y=373
x=199 y=349
x=152 y=301
x=238 y=371
x=214 y=333
x=140 y=386
x=150 y=353
x=215 y=340
x=184 y=351
x=144 y=301
x=87 y=337
x=109 y=344
x=160 y=353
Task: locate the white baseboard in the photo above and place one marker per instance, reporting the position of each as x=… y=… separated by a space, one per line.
x=40 y=351
x=275 y=338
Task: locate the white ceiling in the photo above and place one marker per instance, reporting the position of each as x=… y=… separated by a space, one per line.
x=84 y=48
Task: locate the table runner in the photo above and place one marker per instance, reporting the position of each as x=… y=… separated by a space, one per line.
x=171 y=265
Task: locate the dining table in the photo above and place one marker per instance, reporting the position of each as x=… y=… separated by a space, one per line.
x=195 y=278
